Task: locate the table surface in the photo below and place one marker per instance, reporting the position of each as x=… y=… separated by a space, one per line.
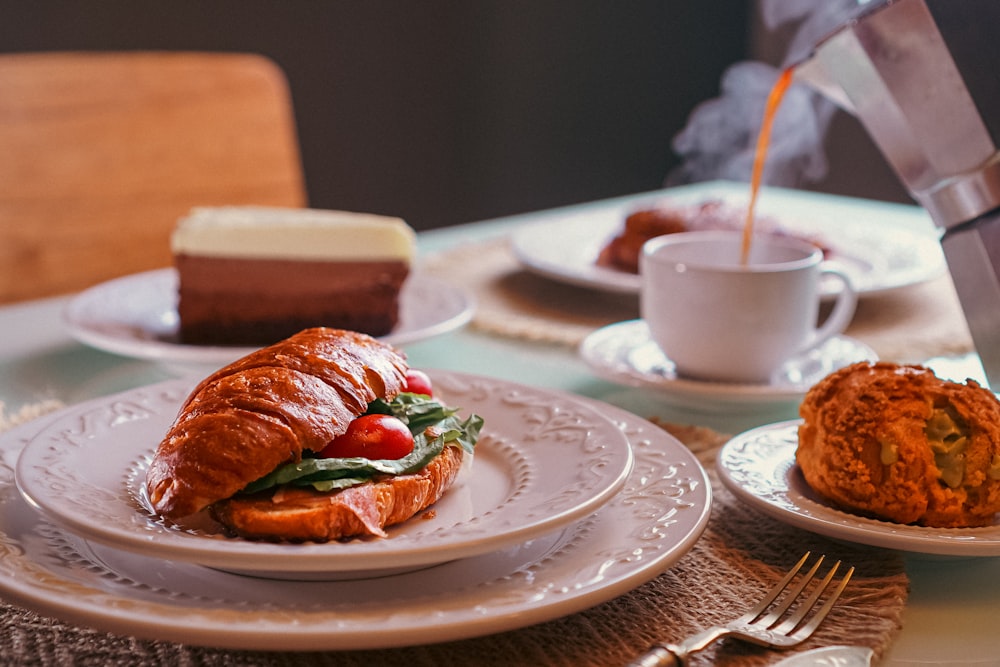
x=949 y=619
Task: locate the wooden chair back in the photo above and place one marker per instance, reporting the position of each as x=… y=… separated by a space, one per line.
x=101 y=153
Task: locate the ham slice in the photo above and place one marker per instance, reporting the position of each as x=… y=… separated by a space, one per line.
x=303 y=514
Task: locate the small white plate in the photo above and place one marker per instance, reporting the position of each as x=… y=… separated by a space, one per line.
x=544 y=461
x=624 y=353
x=136 y=316
x=656 y=519
x=759 y=467
x=868 y=240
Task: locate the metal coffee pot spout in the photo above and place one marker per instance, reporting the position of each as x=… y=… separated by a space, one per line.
x=923 y=78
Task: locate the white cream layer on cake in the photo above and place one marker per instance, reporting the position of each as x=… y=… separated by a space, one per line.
x=297 y=234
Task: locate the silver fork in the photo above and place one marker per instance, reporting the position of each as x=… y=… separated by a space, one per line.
x=762 y=625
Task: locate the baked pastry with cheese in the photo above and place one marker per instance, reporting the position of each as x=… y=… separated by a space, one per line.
x=896 y=442
x=251 y=275
x=272 y=411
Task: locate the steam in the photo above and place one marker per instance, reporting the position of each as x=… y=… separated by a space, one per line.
x=721 y=134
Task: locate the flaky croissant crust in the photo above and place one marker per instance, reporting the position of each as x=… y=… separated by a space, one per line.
x=264 y=410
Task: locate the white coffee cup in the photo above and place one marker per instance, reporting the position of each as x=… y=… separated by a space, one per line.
x=718 y=318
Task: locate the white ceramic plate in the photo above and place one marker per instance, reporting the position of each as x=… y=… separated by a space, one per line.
x=871 y=245
x=646 y=528
x=136 y=316
x=624 y=353
x=544 y=461
x=759 y=467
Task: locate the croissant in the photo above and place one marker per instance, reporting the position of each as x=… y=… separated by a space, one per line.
x=269 y=407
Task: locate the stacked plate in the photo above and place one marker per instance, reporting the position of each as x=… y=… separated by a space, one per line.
x=569 y=503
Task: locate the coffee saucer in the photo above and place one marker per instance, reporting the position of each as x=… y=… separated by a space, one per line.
x=624 y=353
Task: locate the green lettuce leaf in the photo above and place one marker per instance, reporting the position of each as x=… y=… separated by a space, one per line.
x=418 y=412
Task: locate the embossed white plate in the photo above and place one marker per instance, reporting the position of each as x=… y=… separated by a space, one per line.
x=878 y=255
x=641 y=532
x=758 y=466
x=544 y=461
x=624 y=353
x=136 y=316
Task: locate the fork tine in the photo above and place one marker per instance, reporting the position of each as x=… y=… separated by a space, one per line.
x=772 y=617
x=805 y=607
x=773 y=594
x=806 y=630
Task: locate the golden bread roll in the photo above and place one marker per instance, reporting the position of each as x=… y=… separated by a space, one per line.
x=264 y=410
x=898 y=443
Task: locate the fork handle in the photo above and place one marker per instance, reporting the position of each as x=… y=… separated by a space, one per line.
x=660 y=655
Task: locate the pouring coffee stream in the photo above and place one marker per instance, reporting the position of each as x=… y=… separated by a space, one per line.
x=760 y=156
x=920 y=77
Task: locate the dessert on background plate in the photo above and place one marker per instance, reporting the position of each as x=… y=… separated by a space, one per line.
x=671 y=217
x=883 y=246
x=251 y=275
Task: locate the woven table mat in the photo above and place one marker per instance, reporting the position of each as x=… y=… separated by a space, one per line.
x=741 y=554
x=910 y=324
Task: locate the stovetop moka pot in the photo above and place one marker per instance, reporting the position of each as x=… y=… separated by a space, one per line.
x=923 y=78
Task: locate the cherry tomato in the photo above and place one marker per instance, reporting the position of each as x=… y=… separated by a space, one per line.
x=372 y=437
x=417 y=382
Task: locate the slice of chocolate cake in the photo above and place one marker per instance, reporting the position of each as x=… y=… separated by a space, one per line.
x=255 y=275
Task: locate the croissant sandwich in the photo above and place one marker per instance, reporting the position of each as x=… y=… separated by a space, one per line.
x=325 y=435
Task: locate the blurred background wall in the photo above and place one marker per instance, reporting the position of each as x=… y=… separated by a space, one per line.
x=449 y=111
x=446 y=111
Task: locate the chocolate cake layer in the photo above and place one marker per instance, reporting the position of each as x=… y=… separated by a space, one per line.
x=225 y=301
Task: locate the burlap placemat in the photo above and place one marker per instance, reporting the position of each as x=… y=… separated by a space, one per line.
x=910 y=324
x=741 y=554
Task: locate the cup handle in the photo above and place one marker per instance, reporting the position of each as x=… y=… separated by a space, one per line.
x=841 y=315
